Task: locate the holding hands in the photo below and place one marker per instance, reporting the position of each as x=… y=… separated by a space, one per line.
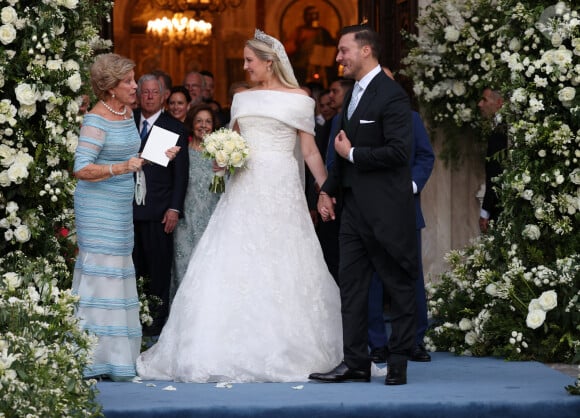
x=326 y=206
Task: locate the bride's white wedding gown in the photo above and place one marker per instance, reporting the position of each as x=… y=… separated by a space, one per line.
x=257 y=303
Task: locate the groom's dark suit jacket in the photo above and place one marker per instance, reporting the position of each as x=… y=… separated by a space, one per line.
x=380 y=129
x=166 y=186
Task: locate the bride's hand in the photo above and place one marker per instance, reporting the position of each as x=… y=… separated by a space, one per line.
x=216 y=167
x=326 y=207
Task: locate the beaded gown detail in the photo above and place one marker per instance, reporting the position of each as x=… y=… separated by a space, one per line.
x=257 y=303
x=104 y=275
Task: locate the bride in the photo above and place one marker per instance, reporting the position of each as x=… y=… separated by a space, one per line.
x=257 y=303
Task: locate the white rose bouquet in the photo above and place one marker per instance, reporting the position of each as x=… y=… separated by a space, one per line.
x=229 y=150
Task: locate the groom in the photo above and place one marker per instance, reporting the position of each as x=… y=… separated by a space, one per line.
x=377 y=230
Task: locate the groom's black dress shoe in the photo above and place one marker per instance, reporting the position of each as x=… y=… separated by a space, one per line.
x=396 y=374
x=379 y=355
x=342 y=373
x=420 y=354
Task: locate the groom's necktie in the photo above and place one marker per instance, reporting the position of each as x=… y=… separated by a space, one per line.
x=356 y=93
x=144 y=131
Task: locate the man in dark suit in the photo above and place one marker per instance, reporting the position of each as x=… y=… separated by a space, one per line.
x=490 y=103
x=156 y=218
x=422 y=160
x=377 y=229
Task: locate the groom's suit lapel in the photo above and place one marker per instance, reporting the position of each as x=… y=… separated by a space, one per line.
x=365 y=101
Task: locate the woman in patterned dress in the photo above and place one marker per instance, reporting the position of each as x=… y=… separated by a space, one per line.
x=199 y=201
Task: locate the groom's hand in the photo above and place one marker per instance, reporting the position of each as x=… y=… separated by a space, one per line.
x=326 y=207
x=342 y=144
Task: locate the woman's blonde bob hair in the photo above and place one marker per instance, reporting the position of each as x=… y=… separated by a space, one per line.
x=107 y=71
x=264 y=52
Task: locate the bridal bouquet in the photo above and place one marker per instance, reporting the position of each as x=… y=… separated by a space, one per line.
x=229 y=150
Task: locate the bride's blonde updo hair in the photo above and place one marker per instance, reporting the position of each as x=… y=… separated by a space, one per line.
x=268 y=48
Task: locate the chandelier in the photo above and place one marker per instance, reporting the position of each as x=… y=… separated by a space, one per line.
x=186 y=25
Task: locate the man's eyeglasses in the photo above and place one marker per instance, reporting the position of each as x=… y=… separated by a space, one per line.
x=150 y=92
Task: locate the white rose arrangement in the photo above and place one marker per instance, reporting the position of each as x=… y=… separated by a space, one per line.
x=525 y=274
x=229 y=150
x=43 y=76
x=537 y=308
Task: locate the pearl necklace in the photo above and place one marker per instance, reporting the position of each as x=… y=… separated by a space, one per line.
x=113 y=111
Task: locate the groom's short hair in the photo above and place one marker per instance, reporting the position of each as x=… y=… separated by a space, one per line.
x=364 y=35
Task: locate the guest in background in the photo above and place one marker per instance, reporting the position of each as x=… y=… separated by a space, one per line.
x=165 y=80
x=422 y=160
x=156 y=217
x=178 y=102
x=194 y=83
x=489 y=105
x=324 y=108
x=236 y=87
x=338 y=90
x=216 y=107
x=104 y=276
x=208 y=89
x=199 y=201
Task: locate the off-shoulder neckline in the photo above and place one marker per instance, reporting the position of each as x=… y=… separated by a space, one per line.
x=275 y=91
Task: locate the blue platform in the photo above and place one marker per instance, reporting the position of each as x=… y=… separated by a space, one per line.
x=448 y=387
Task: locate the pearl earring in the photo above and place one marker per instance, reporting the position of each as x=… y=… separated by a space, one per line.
x=113 y=95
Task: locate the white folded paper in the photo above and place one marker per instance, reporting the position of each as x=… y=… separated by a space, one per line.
x=159 y=141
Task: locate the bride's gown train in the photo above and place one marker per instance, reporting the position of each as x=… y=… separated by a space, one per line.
x=257 y=303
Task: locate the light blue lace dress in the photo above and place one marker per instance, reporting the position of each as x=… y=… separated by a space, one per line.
x=199 y=205
x=104 y=275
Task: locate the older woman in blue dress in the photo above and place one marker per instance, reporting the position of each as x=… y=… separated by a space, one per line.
x=104 y=276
